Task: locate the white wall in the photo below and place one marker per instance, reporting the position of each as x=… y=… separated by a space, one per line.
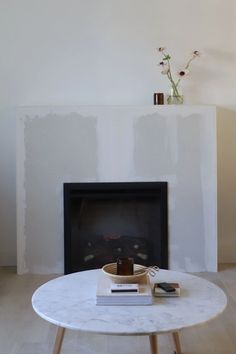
x=103 y=52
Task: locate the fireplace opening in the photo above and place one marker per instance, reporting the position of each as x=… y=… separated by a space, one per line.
x=104 y=221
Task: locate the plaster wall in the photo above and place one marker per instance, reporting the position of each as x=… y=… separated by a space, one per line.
x=117 y=143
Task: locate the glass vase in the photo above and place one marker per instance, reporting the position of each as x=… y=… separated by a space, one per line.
x=175 y=97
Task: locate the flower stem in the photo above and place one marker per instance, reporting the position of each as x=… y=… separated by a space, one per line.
x=174 y=84
x=169 y=75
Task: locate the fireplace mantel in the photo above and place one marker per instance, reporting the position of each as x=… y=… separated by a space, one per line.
x=176 y=144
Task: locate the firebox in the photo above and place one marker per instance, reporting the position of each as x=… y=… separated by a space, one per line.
x=104 y=221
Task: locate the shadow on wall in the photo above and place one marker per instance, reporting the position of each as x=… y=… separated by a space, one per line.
x=226 y=147
x=7 y=187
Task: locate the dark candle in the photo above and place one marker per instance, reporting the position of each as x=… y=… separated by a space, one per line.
x=158 y=98
x=125 y=266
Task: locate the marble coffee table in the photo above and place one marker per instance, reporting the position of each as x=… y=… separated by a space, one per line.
x=70 y=302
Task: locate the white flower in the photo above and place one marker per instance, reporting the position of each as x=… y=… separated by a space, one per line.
x=196 y=53
x=183 y=73
x=165 y=70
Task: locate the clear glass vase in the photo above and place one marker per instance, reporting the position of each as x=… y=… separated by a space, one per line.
x=175 y=97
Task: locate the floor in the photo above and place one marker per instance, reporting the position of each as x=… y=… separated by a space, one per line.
x=23 y=332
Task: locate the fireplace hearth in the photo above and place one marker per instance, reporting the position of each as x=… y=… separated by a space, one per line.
x=104 y=221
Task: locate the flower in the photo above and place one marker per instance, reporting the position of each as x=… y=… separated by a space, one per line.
x=196 y=53
x=183 y=73
x=166 y=69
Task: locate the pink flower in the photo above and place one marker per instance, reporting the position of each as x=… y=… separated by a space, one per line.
x=183 y=73
x=166 y=67
x=196 y=53
x=165 y=71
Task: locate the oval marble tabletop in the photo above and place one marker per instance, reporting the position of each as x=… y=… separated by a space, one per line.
x=70 y=302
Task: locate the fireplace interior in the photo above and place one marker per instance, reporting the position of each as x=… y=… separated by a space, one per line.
x=104 y=221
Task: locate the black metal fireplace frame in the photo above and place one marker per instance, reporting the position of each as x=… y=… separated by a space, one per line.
x=95 y=189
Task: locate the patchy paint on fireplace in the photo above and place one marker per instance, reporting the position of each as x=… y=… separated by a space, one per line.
x=44 y=138
x=115 y=143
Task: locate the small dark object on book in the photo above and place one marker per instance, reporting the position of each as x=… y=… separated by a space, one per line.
x=125 y=266
x=124 y=288
x=166 y=286
x=125 y=291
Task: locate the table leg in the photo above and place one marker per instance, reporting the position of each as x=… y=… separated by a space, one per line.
x=59 y=340
x=175 y=336
x=153 y=343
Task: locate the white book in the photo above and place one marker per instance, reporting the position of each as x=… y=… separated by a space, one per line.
x=104 y=296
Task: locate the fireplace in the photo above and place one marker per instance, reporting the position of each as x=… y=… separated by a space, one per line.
x=123 y=143
x=104 y=221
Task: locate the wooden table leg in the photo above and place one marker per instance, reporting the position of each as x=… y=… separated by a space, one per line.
x=175 y=336
x=153 y=343
x=59 y=340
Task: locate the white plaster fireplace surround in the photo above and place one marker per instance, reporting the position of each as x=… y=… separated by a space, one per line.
x=176 y=144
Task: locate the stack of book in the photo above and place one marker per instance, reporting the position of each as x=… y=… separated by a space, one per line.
x=109 y=293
